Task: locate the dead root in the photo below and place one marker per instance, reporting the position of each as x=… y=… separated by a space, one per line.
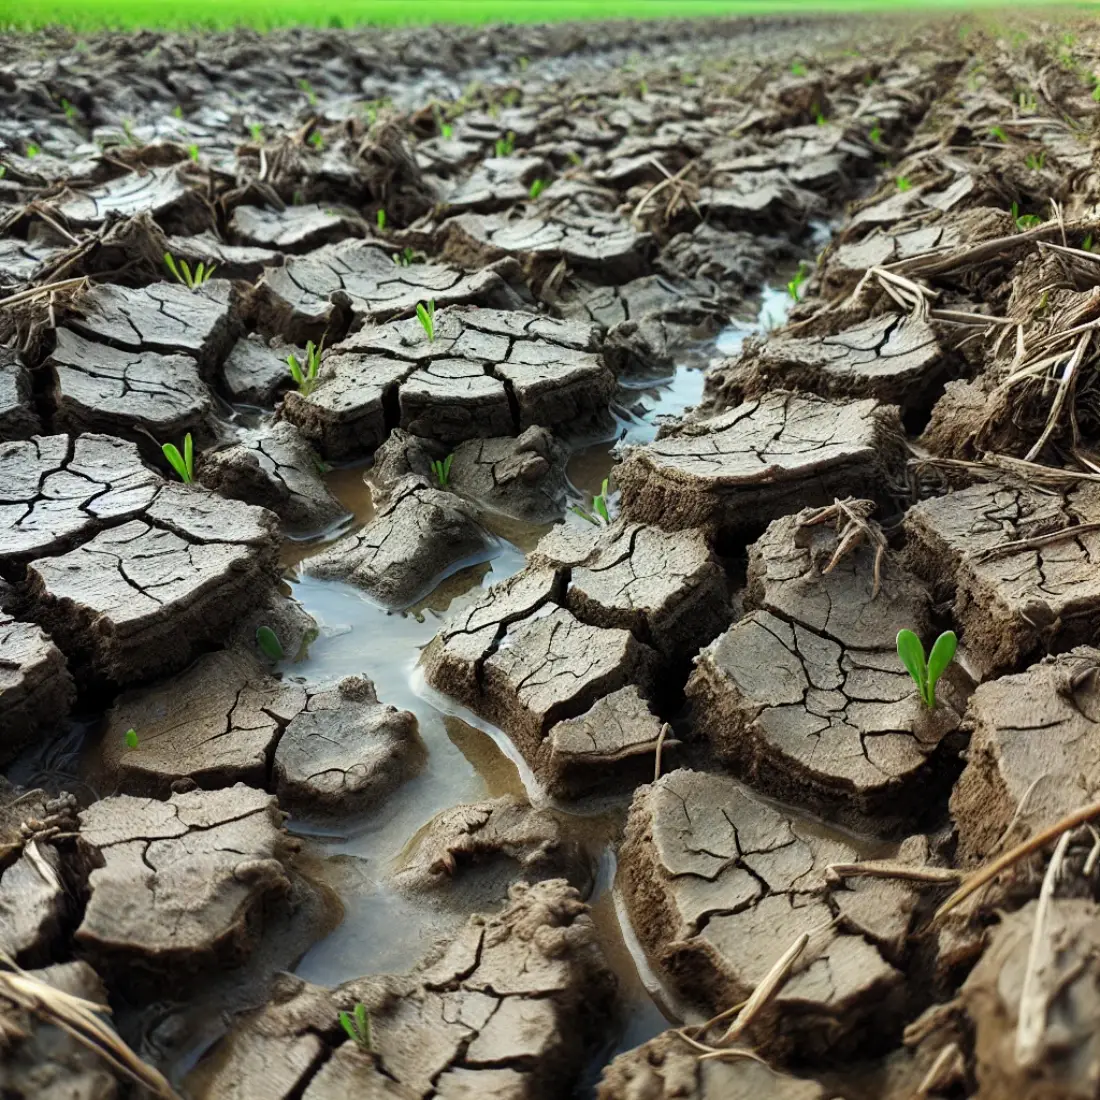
x=78 y=1018
x=854 y=527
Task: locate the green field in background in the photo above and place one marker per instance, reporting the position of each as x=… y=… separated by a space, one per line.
x=94 y=14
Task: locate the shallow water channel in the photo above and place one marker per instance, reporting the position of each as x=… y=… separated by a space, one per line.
x=383 y=929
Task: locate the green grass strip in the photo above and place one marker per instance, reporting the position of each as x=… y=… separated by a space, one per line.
x=87 y=15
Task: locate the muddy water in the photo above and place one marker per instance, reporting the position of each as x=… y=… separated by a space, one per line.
x=465 y=759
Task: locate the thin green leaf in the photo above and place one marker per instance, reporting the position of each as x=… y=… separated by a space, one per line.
x=170 y=263
x=188 y=278
x=131 y=739
x=175 y=460
x=585 y=515
x=210 y=272
x=348 y=1026
x=295 y=368
x=189 y=456
x=943 y=653
x=361 y=1018
x=269 y=643
x=911 y=653
x=447 y=464
x=199 y=273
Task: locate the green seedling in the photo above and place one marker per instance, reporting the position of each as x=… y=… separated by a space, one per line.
x=1096 y=92
x=523 y=63
x=506 y=146
x=131 y=738
x=425 y=314
x=305 y=376
x=819 y=118
x=256 y=130
x=1024 y=221
x=998 y=133
x=177 y=111
x=1036 y=161
x=3 y=171
x=317 y=139
x=643 y=89
x=182 y=273
x=794 y=286
x=1086 y=244
x=69 y=109
x=926 y=674
x=32 y=150
x=128 y=131
x=798 y=69
x=537 y=188
x=904 y=183
x=305 y=86
x=269 y=644
x=358 y=1028
x=183 y=464
x=510 y=97
x=599 y=516
x=1027 y=102
x=380 y=219
x=447 y=130
x=406 y=257
x=193 y=153
x=575 y=157
x=876 y=134
x=442 y=470
x=298 y=198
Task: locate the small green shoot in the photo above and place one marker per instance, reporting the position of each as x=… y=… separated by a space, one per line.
x=317 y=139
x=523 y=63
x=599 y=516
x=193 y=153
x=177 y=111
x=128 y=131
x=182 y=273
x=183 y=464
x=269 y=644
x=998 y=133
x=447 y=131
x=1036 y=161
x=794 y=286
x=406 y=257
x=256 y=129
x=1027 y=102
x=311 y=96
x=442 y=470
x=506 y=146
x=305 y=376
x=798 y=69
x=69 y=109
x=380 y=219
x=3 y=171
x=131 y=738
x=1086 y=245
x=926 y=674
x=819 y=118
x=1096 y=92
x=425 y=314
x=31 y=150
x=575 y=158
x=537 y=188
x=876 y=134
x=1024 y=221
x=904 y=183
x=358 y=1028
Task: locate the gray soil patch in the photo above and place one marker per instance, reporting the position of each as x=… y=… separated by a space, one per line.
x=600 y=248
x=895 y=359
x=719 y=885
x=761 y=460
x=667 y=1068
x=255 y=373
x=1034 y=754
x=805 y=697
x=312 y=294
x=36 y=690
x=139 y=598
x=522 y=477
x=1024 y=578
x=18 y=418
x=469 y=855
x=512 y=1008
x=420 y=536
x=97 y=388
x=179 y=887
x=274 y=467
x=293 y=229
x=56 y=491
x=163 y=317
